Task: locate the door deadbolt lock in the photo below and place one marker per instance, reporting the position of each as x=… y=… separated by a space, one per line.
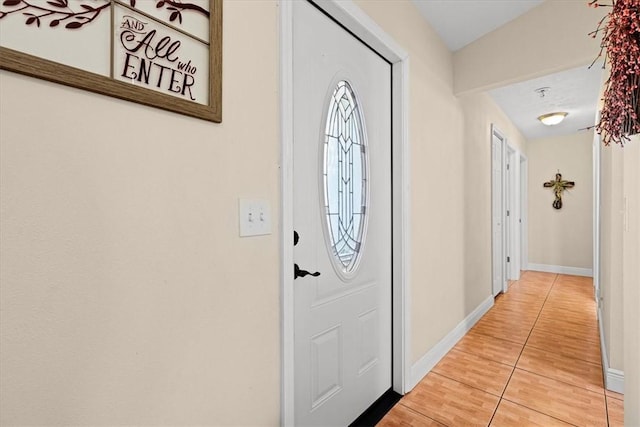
x=297 y=271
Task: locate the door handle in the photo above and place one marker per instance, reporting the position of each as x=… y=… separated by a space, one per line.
x=297 y=271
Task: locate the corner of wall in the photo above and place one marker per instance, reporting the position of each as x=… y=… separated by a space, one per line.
x=423 y=366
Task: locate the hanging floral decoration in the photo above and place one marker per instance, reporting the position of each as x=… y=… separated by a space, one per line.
x=620 y=29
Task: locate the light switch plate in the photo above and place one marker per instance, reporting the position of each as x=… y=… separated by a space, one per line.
x=255 y=217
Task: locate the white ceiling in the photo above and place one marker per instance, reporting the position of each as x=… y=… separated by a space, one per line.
x=460 y=22
x=574 y=91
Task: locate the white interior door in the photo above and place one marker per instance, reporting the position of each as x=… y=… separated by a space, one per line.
x=512 y=223
x=508 y=210
x=524 y=232
x=342 y=217
x=516 y=215
x=497 y=209
x=596 y=212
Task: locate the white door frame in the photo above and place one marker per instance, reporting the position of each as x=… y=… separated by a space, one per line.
x=362 y=26
x=596 y=213
x=524 y=214
x=503 y=145
x=514 y=206
x=509 y=209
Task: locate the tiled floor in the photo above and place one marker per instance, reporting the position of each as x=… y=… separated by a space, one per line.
x=533 y=359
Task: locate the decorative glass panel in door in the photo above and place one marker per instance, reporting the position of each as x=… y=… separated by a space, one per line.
x=345 y=178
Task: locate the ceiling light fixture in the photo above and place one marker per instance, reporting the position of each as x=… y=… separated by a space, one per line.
x=552 y=118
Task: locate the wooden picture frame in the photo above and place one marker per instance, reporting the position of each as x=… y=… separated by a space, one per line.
x=211 y=110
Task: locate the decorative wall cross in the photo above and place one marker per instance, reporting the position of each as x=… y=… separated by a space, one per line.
x=558 y=185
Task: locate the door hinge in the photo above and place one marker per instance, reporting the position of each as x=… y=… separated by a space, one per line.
x=508 y=259
x=508 y=213
x=508 y=166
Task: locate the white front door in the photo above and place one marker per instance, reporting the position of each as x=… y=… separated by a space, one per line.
x=498 y=252
x=342 y=219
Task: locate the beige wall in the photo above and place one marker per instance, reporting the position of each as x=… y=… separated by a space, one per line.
x=611 y=290
x=631 y=282
x=549 y=38
x=127 y=296
x=620 y=274
x=561 y=237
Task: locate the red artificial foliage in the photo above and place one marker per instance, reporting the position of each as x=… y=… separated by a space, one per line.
x=620 y=115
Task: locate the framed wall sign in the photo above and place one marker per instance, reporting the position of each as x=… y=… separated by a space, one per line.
x=162 y=53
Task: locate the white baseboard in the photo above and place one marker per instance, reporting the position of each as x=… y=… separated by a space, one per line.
x=613 y=378
x=559 y=269
x=603 y=345
x=433 y=356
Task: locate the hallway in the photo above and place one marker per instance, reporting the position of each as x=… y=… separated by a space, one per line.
x=533 y=359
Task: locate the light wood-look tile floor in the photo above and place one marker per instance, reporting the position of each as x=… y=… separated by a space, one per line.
x=532 y=360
